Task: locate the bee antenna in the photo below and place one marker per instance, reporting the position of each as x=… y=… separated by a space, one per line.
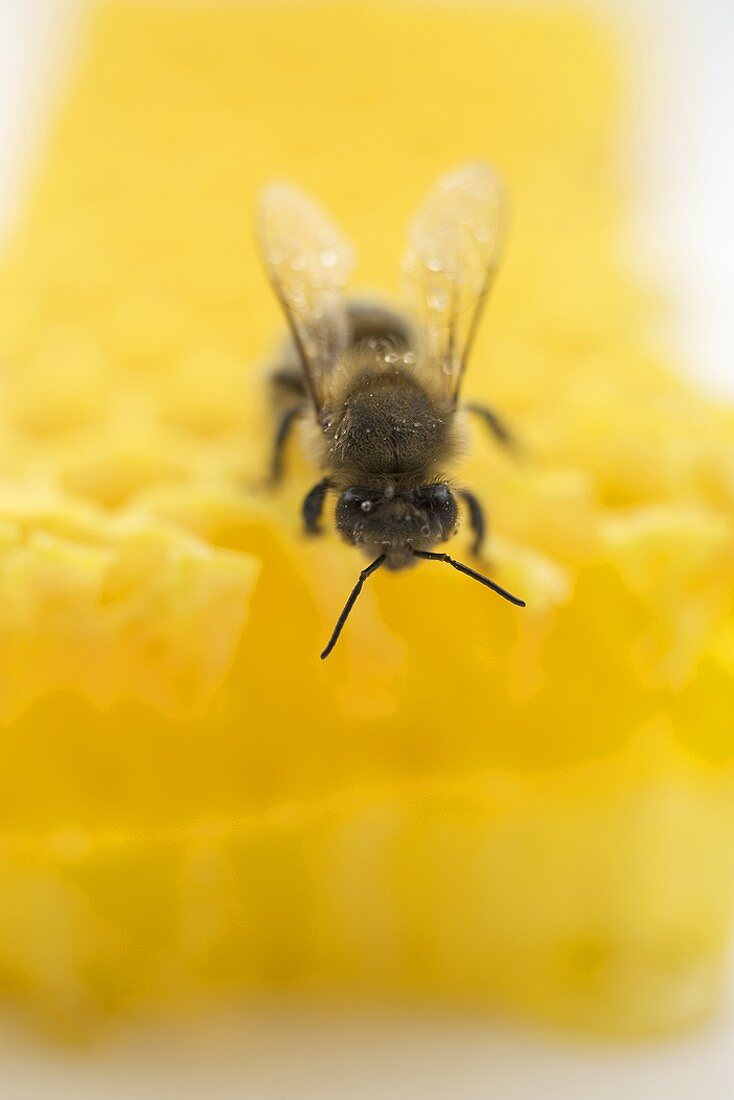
x=373 y=567
x=430 y=556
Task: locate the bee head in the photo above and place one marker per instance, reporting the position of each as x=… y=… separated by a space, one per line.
x=385 y=521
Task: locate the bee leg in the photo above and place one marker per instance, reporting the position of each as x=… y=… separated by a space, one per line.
x=313 y=506
x=496 y=425
x=282 y=434
x=477 y=521
x=286 y=384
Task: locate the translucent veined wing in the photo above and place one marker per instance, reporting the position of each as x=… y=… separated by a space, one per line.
x=454 y=246
x=309 y=263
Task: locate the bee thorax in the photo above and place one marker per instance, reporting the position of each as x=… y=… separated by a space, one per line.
x=387 y=425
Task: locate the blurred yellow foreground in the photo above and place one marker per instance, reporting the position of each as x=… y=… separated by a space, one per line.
x=467 y=802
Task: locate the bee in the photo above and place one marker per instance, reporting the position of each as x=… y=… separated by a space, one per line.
x=381 y=388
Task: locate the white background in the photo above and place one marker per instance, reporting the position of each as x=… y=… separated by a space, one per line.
x=682 y=158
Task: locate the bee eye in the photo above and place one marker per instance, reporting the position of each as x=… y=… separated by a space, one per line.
x=439 y=506
x=359 y=498
x=352 y=508
x=435 y=495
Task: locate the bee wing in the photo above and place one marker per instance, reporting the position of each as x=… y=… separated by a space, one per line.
x=309 y=263
x=454 y=246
